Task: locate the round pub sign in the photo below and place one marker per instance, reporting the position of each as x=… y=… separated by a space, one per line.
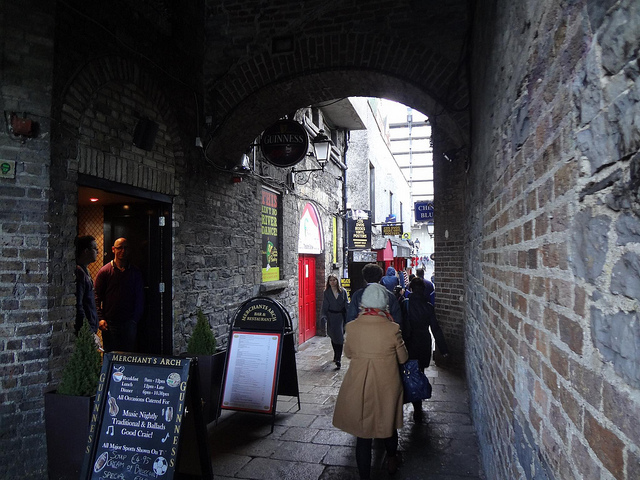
x=284 y=143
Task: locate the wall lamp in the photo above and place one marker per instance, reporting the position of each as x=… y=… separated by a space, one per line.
x=322 y=147
x=430 y=229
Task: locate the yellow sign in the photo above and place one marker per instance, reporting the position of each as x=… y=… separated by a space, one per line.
x=392 y=230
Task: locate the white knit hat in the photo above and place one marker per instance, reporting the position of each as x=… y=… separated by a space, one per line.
x=375 y=296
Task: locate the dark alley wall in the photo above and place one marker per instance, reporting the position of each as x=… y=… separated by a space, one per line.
x=552 y=261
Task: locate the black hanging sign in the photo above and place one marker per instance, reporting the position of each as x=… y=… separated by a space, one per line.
x=392 y=230
x=359 y=230
x=285 y=143
x=139 y=419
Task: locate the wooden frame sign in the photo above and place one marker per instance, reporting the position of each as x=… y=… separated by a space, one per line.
x=252 y=371
x=261 y=361
x=137 y=418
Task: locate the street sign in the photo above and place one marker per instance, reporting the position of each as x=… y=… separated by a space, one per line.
x=392 y=230
x=423 y=211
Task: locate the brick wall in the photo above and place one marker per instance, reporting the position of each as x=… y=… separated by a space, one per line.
x=450 y=237
x=551 y=261
x=26 y=45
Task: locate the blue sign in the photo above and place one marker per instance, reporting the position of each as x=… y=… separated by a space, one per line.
x=424 y=211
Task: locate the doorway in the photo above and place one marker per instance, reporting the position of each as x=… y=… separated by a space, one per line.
x=146 y=224
x=306 y=297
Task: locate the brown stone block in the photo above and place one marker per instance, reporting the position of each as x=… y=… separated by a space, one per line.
x=565 y=179
x=559 y=361
x=558 y=421
x=583 y=460
x=579 y=301
x=542 y=343
x=571 y=333
x=551 y=320
x=540 y=396
x=606 y=445
x=572 y=407
x=550 y=379
x=586 y=382
x=561 y=293
x=623 y=411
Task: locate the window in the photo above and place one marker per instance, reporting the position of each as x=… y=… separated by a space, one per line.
x=390 y=203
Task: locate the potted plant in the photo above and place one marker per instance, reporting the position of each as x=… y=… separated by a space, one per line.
x=202 y=345
x=67 y=410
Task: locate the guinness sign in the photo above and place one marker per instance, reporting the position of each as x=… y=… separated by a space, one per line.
x=285 y=143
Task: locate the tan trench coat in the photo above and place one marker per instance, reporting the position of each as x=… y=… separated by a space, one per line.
x=369 y=403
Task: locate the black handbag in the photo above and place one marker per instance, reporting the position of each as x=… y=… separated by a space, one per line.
x=415 y=383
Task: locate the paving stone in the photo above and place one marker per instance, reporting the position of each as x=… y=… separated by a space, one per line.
x=334 y=437
x=339 y=455
x=301 y=452
x=300 y=434
x=271 y=469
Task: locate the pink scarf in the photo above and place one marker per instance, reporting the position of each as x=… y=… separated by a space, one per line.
x=376 y=311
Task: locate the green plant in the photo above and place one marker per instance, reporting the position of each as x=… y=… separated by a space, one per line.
x=82 y=372
x=202 y=341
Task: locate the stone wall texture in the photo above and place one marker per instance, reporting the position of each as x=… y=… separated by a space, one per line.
x=551 y=261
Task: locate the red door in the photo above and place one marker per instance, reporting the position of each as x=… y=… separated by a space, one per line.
x=307 y=297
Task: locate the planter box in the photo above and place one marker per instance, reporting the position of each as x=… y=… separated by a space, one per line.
x=67 y=419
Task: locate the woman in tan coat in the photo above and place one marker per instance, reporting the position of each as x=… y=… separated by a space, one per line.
x=369 y=404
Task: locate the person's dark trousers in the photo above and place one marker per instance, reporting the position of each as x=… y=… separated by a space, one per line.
x=417 y=406
x=337 y=351
x=363 y=452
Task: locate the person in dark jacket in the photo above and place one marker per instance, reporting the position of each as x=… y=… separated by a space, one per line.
x=430 y=289
x=390 y=280
x=419 y=317
x=119 y=300
x=372 y=273
x=334 y=312
x=86 y=253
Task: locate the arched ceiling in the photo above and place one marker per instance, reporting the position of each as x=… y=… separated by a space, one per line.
x=264 y=60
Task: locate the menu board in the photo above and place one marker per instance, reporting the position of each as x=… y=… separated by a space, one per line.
x=251 y=372
x=137 y=417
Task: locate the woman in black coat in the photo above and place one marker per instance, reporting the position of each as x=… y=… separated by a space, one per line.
x=419 y=317
x=334 y=312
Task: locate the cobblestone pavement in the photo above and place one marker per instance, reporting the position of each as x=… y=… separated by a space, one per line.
x=304 y=444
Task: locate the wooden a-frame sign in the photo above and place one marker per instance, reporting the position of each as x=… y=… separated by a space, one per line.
x=260 y=359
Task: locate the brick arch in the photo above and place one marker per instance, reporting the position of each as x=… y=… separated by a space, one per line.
x=69 y=149
x=244 y=120
x=403 y=50
x=94 y=76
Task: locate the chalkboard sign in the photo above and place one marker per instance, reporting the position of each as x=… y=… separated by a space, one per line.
x=138 y=415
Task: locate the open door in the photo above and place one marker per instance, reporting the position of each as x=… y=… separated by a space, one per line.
x=146 y=224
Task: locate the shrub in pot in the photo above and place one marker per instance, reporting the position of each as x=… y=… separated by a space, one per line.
x=67 y=410
x=202 y=345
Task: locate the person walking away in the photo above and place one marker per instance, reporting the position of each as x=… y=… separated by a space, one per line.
x=372 y=273
x=430 y=289
x=334 y=312
x=390 y=280
x=119 y=300
x=86 y=253
x=369 y=403
x=419 y=317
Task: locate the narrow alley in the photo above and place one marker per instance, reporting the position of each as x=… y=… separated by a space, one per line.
x=304 y=444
